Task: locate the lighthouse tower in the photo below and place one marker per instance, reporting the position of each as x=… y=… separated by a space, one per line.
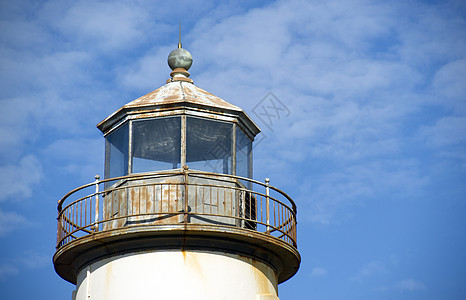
x=177 y=214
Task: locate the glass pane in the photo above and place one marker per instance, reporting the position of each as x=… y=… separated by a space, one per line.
x=243 y=154
x=208 y=145
x=156 y=144
x=116 y=152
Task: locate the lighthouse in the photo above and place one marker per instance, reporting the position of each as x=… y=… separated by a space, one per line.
x=177 y=214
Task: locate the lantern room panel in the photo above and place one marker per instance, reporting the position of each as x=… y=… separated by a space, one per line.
x=243 y=154
x=116 y=152
x=209 y=145
x=156 y=144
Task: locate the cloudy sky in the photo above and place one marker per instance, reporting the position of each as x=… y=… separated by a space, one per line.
x=370 y=140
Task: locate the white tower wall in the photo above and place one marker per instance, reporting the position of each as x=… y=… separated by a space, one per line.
x=177 y=275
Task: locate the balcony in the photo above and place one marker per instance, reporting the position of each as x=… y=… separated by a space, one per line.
x=185 y=203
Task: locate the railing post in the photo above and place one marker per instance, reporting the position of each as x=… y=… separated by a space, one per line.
x=186 y=206
x=96 y=220
x=267 y=198
x=243 y=208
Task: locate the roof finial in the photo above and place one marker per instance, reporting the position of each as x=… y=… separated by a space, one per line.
x=180 y=60
x=179 y=37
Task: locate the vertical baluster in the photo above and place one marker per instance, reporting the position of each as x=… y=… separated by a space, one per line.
x=67 y=224
x=250 y=208
x=203 y=198
x=262 y=209
x=85 y=211
x=280 y=215
x=288 y=222
x=139 y=200
x=73 y=216
x=218 y=204
x=147 y=200
x=90 y=210
x=81 y=214
x=168 y=194
x=153 y=199
x=288 y=231
x=195 y=199
x=96 y=220
x=231 y=202
x=70 y=220
x=77 y=215
x=210 y=210
x=110 y=212
x=58 y=230
x=243 y=208
x=178 y=196
x=161 y=197
x=267 y=180
x=186 y=195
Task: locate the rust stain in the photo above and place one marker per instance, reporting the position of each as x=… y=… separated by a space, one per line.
x=108 y=275
x=265 y=278
x=180 y=91
x=191 y=261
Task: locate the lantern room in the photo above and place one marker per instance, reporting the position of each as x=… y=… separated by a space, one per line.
x=178 y=125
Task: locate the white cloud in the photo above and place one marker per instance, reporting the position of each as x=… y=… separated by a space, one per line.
x=15 y=126
x=10 y=220
x=318 y=272
x=333 y=194
x=26 y=260
x=449 y=85
x=32 y=260
x=432 y=34
x=446 y=132
x=108 y=26
x=78 y=156
x=17 y=180
x=410 y=285
x=8 y=270
x=146 y=73
x=369 y=270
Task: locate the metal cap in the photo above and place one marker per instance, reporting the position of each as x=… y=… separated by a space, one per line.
x=180 y=58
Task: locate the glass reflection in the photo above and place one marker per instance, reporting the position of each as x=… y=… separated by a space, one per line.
x=208 y=145
x=116 y=152
x=156 y=144
x=243 y=154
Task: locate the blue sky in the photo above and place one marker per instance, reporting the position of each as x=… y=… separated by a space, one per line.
x=372 y=146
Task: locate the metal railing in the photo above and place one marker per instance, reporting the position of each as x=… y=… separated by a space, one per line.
x=176 y=197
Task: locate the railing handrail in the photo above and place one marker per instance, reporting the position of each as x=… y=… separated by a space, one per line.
x=173 y=172
x=130 y=176
x=71 y=215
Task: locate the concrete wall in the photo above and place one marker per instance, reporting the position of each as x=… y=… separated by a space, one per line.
x=177 y=275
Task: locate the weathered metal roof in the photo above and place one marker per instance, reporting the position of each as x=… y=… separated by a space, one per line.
x=181 y=91
x=179 y=94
